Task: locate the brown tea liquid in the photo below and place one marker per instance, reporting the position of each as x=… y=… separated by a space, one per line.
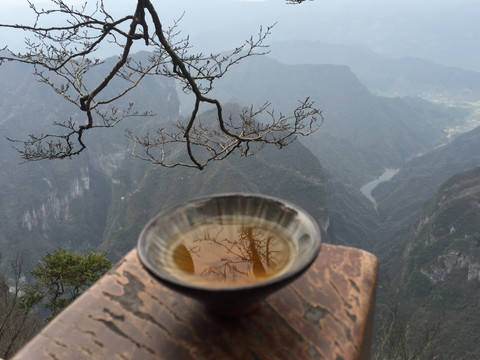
x=229 y=255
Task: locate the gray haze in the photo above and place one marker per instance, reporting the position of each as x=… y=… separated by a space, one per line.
x=443 y=31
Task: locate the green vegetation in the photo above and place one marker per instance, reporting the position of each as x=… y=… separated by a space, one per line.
x=60 y=277
x=42 y=207
x=439 y=273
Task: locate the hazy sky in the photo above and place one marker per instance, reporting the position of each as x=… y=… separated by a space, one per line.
x=445 y=31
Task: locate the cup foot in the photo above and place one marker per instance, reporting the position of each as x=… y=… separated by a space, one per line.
x=234 y=311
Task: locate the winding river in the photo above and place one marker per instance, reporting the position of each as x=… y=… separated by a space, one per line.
x=368 y=187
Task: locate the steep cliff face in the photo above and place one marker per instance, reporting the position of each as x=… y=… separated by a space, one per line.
x=48 y=204
x=56 y=206
x=440 y=277
x=104 y=196
x=452 y=260
x=452 y=218
x=401 y=199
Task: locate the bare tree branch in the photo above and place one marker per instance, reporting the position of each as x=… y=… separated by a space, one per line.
x=64 y=55
x=294 y=2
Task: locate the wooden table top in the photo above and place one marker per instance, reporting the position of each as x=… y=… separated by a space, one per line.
x=127 y=314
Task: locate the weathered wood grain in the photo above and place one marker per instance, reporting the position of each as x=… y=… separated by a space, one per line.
x=326 y=314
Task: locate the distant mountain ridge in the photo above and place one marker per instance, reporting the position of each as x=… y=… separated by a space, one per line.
x=386 y=75
x=377 y=132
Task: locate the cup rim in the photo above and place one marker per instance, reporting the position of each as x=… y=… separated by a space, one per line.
x=178 y=283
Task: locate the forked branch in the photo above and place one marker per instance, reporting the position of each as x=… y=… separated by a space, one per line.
x=64 y=55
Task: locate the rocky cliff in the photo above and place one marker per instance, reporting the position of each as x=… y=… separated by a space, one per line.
x=440 y=276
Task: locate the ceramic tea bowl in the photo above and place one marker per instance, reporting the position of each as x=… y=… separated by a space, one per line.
x=229 y=251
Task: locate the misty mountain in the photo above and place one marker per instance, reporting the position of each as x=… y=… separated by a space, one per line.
x=440 y=273
x=47 y=204
x=103 y=197
x=384 y=74
x=293 y=174
x=440 y=31
x=362 y=134
x=400 y=199
x=366 y=131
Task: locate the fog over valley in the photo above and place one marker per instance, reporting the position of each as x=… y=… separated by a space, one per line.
x=393 y=169
x=440 y=31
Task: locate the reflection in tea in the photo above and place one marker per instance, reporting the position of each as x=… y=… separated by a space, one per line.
x=222 y=255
